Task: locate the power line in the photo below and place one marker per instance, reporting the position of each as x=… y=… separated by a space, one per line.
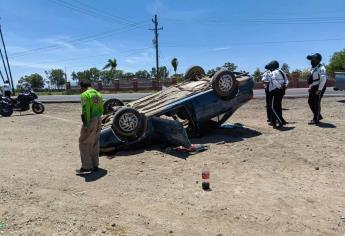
x=253 y=43
x=132 y=51
x=91 y=11
x=106 y=13
x=78 y=40
x=236 y=21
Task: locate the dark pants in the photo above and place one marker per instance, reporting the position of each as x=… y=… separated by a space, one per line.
x=7 y=94
x=277 y=110
x=315 y=102
x=268 y=104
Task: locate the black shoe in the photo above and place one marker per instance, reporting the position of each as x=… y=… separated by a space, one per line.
x=271 y=124
x=95 y=169
x=320 y=117
x=83 y=171
x=285 y=122
x=313 y=122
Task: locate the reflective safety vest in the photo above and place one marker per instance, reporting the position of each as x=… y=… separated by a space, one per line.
x=92 y=105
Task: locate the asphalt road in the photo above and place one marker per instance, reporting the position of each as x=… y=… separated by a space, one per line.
x=260 y=93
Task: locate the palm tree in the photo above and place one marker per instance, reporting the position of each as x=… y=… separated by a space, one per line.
x=111 y=65
x=174 y=63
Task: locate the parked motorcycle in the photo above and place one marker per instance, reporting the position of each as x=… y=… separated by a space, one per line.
x=21 y=103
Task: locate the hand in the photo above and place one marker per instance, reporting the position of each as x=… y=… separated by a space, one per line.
x=318 y=92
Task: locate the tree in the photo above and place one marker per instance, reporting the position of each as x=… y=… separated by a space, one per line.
x=142 y=74
x=163 y=72
x=111 y=65
x=128 y=75
x=286 y=68
x=74 y=76
x=56 y=77
x=303 y=74
x=230 y=66
x=211 y=72
x=336 y=63
x=174 y=63
x=153 y=72
x=35 y=80
x=257 y=75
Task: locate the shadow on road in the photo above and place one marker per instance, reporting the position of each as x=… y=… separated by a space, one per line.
x=326 y=125
x=285 y=128
x=225 y=134
x=95 y=175
x=342 y=101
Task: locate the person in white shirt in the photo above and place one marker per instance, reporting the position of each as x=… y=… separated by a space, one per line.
x=317 y=86
x=277 y=84
x=7 y=89
x=265 y=80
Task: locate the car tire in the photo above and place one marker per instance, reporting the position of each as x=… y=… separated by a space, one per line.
x=109 y=104
x=6 y=109
x=127 y=123
x=194 y=73
x=224 y=84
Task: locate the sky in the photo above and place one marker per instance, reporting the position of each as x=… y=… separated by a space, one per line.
x=78 y=34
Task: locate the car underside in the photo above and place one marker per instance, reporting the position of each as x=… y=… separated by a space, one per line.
x=176 y=113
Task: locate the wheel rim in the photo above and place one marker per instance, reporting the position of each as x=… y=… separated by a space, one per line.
x=128 y=122
x=225 y=83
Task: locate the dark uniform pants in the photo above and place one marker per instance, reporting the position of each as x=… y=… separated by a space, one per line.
x=268 y=104
x=277 y=110
x=89 y=144
x=7 y=94
x=315 y=102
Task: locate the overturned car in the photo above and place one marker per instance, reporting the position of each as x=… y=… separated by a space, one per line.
x=176 y=113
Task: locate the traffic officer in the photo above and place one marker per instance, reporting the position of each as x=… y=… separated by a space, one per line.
x=7 y=89
x=317 y=86
x=265 y=79
x=277 y=83
x=92 y=110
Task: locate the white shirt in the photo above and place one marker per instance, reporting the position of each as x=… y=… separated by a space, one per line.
x=266 y=77
x=6 y=88
x=277 y=80
x=319 y=76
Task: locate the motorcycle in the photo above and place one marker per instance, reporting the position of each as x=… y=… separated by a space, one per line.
x=21 y=103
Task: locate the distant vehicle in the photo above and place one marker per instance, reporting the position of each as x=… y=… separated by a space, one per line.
x=21 y=103
x=173 y=114
x=339 y=81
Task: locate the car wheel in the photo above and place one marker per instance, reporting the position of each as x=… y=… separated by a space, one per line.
x=194 y=73
x=127 y=123
x=224 y=84
x=109 y=104
x=6 y=110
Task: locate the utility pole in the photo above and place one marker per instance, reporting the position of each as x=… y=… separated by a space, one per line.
x=2 y=77
x=8 y=64
x=155 y=41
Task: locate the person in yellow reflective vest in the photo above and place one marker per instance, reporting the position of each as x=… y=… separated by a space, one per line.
x=92 y=110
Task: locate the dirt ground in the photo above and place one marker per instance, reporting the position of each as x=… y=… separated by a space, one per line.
x=264 y=181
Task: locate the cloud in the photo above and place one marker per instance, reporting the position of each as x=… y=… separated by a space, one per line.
x=99 y=46
x=141 y=58
x=222 y=48
x=33 y=65
x=58 y=41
